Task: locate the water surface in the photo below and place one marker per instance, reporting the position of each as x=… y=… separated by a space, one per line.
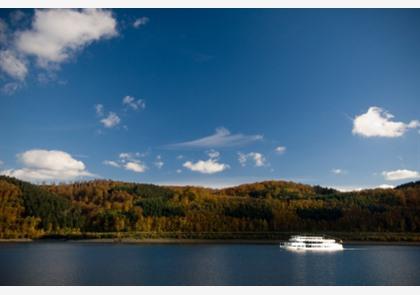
x=65 y=263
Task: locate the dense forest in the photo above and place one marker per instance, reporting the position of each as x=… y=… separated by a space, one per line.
x=105 y=208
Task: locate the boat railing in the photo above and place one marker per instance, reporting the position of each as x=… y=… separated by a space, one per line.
x=315 y=239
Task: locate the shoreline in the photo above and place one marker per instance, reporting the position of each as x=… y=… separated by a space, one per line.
x=229 y=241
x=16 y=240
x=195 y=241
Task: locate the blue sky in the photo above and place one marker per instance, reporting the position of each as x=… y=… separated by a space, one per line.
x=212 y=97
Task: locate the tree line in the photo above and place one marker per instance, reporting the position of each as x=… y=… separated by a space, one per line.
x=106 y=206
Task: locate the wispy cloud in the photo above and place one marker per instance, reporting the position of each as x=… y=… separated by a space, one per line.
x=111 y=163
x=128 y=161
x=400 y=174
x=133 y=103
x=111 y=120
x=99 y=109
x=141 y=21
x=213 y=154
x=280 y=150
x=10 y=88
x=130 y=156
x=338 y=171
x=159 y=162
x=221 y=138
x=12 y=65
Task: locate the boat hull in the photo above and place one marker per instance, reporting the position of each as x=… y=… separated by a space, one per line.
x=330 y=248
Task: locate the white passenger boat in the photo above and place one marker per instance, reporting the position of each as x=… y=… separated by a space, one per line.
x=312 y=243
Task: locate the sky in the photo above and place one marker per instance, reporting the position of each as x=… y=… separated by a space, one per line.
x=211 y=97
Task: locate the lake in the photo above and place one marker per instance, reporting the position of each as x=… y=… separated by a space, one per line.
x=72 y=263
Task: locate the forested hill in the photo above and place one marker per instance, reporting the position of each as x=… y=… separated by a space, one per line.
x=104 y=206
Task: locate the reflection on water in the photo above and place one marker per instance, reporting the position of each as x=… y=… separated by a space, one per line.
x=307 y=270
x=385 y=264
x=205 y=264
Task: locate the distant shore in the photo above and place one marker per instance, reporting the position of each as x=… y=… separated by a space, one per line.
x=197 y=241
x=228 y=241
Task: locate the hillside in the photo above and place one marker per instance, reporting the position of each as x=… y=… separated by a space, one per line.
x=105 y=208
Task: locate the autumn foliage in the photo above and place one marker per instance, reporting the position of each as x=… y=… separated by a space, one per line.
x=105 y=206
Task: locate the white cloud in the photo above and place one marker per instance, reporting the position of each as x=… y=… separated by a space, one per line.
x=413 y=124
x=51 y=37
x=99 y=109
x=209 y=166
x=57 y=34
x=131 y=102
x=54 y=160
x=377 y=122
x=258 y=158
x=221 y=138
x=1 y=162
x=159 y=162
x=141 y=21
x=12 y=65
x=386 y=186
x=178 y=170
x=280 y=149
x=348 y=188
x=45 y=165
x=337 y=171
x=135 y=166
x=400 y=174
x=111 y=163
x=111 y=121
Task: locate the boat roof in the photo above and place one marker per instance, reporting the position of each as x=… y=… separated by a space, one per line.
x=307 y=237
x=311 y=238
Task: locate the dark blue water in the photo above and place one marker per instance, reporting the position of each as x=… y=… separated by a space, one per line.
x=204 y=264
